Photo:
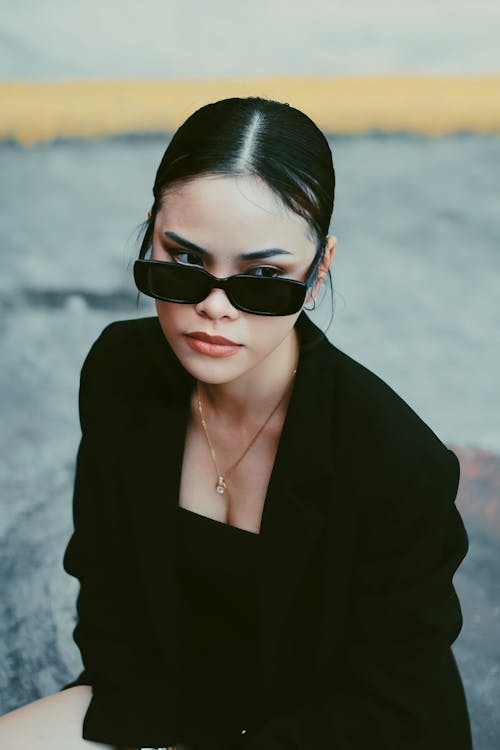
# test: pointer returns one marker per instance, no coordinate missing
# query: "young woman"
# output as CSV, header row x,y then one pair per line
x,y
265,532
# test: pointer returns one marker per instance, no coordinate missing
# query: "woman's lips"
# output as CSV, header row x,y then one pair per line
x,y
211,339
210,348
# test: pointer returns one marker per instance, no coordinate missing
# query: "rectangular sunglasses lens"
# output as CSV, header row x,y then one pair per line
x,y
268,296
176,283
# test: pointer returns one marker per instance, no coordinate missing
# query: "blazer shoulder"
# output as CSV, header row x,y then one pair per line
x,y
386,425
127,350
129,362
120,332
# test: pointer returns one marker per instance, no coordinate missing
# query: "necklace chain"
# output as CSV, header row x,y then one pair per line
x,y
221,477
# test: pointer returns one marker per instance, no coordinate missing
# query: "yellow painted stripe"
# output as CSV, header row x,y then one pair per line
x,y
432,105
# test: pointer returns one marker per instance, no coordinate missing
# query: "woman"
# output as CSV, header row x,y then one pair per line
x,y
265,533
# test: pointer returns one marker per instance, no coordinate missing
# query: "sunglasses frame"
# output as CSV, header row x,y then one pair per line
x,y
142,264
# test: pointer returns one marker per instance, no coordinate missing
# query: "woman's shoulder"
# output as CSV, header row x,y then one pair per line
x,y
379,421
132,349
128,362
124,335
365,408
390,458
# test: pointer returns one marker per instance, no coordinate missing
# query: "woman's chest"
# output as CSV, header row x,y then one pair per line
x,y
242,502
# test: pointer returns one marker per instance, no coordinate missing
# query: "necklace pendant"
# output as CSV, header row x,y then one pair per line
x,y
221,485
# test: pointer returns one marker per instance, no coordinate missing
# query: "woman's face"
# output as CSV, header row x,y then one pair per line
x,y
228,216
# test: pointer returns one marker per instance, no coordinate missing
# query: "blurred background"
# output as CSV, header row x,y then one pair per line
x,y
409,97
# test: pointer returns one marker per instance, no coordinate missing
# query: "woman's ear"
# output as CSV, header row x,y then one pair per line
x,y
331,244
149,214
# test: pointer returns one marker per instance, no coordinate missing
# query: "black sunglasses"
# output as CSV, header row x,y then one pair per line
x,y
173,282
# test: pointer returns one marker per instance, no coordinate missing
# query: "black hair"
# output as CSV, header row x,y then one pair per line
x,y
261,137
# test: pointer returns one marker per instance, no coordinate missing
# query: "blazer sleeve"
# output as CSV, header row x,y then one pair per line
x,y
401,689
131,699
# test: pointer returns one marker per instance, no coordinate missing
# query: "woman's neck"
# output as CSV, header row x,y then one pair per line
x,y
253,396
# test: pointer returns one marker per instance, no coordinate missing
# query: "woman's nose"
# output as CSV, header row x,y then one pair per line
x,y
217,305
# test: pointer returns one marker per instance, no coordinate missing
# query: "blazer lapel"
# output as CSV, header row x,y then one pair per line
x,y
294,512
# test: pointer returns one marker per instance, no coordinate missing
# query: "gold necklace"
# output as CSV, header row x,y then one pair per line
x,y
221,485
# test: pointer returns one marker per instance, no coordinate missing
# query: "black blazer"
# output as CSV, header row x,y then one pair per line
x,y
360,508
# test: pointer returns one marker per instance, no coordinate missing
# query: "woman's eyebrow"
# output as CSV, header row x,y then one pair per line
x,y
243,256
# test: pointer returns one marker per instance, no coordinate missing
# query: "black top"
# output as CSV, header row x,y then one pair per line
x,y
217,652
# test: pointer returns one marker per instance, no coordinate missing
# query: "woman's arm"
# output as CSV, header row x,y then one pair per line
x,y
401,689
131,693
